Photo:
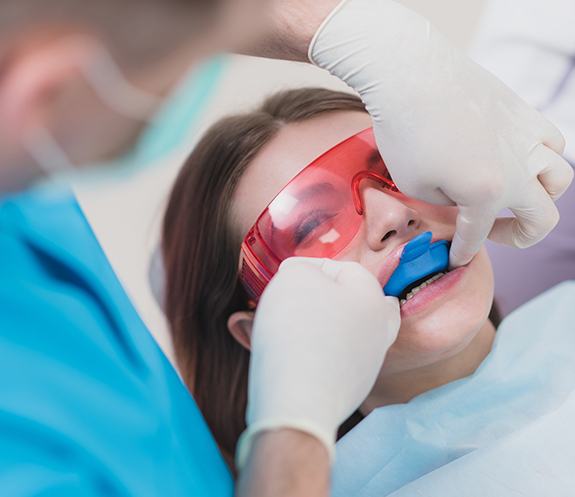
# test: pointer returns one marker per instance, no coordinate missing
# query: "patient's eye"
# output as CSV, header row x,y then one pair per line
x,y
312,223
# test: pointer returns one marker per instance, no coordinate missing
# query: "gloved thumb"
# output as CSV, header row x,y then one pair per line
x,y
472,227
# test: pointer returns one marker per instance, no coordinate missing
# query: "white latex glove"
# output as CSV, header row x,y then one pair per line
x,y
321,332
449,131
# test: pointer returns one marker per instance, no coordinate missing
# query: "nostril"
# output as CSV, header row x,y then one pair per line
x,y
411,222
388,234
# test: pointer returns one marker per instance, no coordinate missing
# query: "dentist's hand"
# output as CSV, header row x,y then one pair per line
x,y
449,131
321,332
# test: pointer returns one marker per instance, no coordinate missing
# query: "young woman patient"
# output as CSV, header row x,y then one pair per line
x,y
236,170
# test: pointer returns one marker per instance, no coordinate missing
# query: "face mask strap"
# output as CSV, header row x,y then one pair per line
x,y
47,152
106,79
114,89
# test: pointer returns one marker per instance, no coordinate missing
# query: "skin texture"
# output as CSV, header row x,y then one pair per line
x,y
445,340
287,29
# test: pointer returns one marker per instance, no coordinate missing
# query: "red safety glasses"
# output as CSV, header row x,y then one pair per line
x,y
317,214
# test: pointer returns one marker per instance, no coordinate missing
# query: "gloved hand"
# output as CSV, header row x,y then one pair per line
x,y
321,332
449,131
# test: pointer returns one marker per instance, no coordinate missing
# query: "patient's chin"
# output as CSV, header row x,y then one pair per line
x,y
425,347
446,330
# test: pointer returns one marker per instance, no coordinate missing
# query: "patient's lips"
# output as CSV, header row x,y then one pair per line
x,y
433,289
392,261
433,293
390,264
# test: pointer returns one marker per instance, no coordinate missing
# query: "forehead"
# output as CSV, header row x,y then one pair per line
x,y
294,147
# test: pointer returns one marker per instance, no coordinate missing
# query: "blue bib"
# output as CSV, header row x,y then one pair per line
x,y
528,377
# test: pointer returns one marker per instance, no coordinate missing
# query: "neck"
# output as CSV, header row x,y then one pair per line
x,y
401,387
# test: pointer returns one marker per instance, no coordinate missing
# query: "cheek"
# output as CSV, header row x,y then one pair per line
x,y
444,332
429,338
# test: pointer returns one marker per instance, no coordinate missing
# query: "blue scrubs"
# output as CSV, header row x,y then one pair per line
x,y
89,405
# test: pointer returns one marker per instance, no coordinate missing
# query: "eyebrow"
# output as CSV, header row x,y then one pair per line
x,y
314,189
373,159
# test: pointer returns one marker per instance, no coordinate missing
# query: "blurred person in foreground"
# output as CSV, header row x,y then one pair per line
x,y
90,406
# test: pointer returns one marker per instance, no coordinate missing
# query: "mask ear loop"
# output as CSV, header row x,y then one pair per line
x,y
47,152
114,89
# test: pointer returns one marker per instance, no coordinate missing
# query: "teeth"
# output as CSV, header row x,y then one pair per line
x,y
414,291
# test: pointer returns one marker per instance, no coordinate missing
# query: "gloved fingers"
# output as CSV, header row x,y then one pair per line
x,y
534,219
552,137
347,273
430,195
327,267
394,318
354,275
315,263
335,269
553,171
472,226
541,129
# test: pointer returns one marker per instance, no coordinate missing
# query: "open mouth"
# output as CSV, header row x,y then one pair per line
x,y
421,263
411,290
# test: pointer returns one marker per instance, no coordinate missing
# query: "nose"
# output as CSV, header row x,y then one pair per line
x,y
387,217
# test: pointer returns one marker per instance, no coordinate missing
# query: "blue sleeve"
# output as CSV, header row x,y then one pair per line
x,y
58,389
89,406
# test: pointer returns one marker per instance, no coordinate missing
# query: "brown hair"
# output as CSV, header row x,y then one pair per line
x,y
201,250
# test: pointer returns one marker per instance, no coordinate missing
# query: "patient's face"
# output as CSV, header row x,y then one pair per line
x,y
436,324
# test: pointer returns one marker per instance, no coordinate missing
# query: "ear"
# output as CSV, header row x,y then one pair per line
x,y
34,71
240,327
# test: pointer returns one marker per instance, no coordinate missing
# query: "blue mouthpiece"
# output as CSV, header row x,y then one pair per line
x,y
420,258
